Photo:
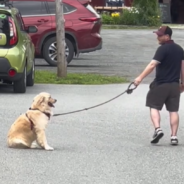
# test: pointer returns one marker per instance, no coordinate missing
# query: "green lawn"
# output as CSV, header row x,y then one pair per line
x,y
48,77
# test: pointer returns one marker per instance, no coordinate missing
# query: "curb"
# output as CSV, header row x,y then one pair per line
x,y
178,27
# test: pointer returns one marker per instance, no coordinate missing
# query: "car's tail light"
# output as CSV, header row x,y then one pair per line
x,y
89,19
11,72
13,32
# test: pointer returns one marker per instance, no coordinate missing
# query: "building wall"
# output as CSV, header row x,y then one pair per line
x,y
103,2
98,2
128,2
181,13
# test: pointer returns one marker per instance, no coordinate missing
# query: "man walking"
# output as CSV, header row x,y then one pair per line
x,y
168,83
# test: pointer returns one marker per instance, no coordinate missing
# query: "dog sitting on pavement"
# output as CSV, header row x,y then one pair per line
x,y
28,131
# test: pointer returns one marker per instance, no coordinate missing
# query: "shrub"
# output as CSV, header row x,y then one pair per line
x,y
108,19
149,12
142,12
129,17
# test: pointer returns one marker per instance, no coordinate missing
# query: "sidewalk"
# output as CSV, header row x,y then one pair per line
x,y
173,26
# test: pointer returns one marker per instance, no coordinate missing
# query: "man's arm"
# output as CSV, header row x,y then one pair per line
x,y
157,59
149,68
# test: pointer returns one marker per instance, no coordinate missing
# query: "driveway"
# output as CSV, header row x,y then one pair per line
x,y
125,53
106,145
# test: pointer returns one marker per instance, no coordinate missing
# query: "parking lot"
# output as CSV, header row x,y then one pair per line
x,y
106,145
124,53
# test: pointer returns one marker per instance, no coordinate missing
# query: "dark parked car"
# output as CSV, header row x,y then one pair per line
x,y
82,27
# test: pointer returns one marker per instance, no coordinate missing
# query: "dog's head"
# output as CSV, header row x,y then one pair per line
x,y
43,102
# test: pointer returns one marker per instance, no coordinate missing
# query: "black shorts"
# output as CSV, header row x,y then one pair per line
x,y
168,94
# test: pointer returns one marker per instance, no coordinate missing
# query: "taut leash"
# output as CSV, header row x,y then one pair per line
x,y
129,90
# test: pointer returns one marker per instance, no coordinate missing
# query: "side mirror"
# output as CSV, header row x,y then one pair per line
x,y
32,29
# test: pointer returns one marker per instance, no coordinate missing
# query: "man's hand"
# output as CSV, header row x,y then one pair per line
x,y
137,81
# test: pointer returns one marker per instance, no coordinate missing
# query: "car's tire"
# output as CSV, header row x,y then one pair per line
x,y
31,76
20,85
49,50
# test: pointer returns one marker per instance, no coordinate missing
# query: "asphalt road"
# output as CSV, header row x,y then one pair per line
x,y
106,145
125,53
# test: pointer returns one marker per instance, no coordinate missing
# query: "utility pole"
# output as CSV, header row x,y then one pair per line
x,y
60,40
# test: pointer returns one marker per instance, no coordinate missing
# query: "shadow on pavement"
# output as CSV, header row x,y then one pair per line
x,y
4,89
8,89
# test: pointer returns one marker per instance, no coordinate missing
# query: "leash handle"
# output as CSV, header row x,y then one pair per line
x,y
130,88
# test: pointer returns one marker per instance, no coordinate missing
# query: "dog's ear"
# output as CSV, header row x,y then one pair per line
x,y
40,100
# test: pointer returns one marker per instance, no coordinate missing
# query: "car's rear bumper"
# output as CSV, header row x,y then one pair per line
x,y
4,69
98,47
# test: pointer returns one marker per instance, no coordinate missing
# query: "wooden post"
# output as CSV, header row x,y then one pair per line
x,y
60,40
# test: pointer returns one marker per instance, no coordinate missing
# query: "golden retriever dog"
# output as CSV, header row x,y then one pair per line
x,y
28,131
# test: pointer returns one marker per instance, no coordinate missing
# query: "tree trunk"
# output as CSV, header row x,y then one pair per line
x,y
60,39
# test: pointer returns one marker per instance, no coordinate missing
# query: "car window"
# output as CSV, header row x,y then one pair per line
x,y
66,8
4,24
5,27
30,7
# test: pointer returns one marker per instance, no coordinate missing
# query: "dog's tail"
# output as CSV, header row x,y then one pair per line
x,y
16,143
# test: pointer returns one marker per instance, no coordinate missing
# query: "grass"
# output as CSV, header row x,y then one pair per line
x,y
48,77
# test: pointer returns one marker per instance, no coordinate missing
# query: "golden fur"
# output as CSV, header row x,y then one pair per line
x,y
29,131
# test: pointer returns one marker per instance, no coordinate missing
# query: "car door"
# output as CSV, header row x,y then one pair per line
x,y
34,13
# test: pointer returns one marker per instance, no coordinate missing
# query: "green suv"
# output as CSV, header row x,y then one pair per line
x,y
17,52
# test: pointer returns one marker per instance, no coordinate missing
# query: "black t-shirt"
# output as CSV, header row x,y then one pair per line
x,y
169,55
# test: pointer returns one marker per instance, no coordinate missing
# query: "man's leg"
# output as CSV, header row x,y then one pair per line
x,y
172,105
155,100
174,121
155,117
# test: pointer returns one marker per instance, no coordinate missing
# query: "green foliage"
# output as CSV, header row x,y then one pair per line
x,y
129,17
48,77
142,12
107,19
149,12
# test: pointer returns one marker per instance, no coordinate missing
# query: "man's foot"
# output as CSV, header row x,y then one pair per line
x,y
157,136
174,140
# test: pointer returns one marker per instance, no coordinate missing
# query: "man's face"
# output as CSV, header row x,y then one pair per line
x,y
162,39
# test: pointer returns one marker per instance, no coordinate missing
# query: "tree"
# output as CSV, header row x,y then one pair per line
x,y
60,40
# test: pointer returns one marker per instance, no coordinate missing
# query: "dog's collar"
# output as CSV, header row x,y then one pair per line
x,y
32,124
46,113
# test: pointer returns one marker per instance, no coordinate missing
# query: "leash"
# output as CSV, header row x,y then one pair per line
x,y
129,90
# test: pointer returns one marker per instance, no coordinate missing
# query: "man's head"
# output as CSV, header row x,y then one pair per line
x,y
164,34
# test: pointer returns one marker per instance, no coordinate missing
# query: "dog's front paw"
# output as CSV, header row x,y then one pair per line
x,y
48,148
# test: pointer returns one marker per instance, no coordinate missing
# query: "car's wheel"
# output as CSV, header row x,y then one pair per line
x,y
50,51
20,85
31,76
